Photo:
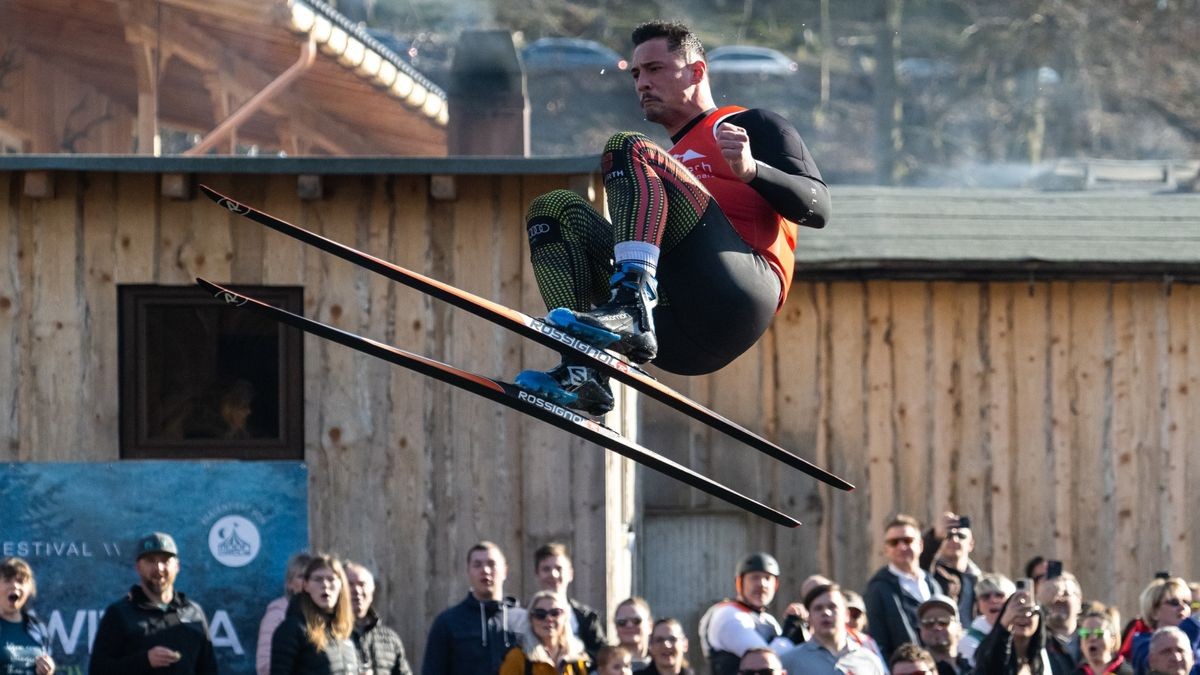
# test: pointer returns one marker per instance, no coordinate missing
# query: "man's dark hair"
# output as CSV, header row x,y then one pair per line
x,y
484,545
549,551
817,592
1032,565
679,37
912,654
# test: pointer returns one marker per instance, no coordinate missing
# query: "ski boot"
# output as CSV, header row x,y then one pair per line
x,y
625,323
570,385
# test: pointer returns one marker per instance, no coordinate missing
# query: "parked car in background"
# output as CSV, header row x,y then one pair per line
x,y
749,59
558,53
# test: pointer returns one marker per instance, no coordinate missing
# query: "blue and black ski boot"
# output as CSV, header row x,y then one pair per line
x,y
571,385
625,323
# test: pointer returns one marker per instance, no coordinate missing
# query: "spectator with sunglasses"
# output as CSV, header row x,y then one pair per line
x,y
831,649
1061,600
1099,637
947,549
555,573
548,647
940,634
760,661
1165,603
633,621
1017,643
898,588
992,591
668,650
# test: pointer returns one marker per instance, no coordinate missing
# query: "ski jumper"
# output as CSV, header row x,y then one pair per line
x,y
726,246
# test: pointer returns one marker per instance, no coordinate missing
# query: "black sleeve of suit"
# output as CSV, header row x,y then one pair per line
x,y
788,177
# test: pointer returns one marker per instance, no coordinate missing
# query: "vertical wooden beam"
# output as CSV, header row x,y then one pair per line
x,y
142,35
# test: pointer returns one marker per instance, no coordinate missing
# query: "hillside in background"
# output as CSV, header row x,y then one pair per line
x,y
886,91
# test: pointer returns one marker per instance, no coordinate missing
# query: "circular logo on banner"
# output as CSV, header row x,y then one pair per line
x,y
234,541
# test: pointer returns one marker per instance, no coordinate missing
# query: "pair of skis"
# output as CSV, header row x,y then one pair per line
x,y
509,394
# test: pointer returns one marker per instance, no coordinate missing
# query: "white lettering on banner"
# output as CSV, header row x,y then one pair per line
x,y
220,630
47,549
222,633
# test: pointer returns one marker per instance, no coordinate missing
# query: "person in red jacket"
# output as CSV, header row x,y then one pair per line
x,y
699,254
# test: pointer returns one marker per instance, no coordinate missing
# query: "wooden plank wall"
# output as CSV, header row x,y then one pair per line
x,y
405,473
1060,415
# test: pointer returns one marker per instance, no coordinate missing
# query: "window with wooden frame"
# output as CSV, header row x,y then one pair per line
x,y
203,380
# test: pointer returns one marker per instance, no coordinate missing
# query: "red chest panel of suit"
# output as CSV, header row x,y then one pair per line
x,y
755,221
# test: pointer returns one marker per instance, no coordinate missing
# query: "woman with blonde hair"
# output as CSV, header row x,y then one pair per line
x,y
293,583
1166,601
633,621
548,647
314,638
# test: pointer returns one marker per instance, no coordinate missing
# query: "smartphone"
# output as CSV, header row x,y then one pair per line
x,y
1053,569
1162,575
964,521
1025,584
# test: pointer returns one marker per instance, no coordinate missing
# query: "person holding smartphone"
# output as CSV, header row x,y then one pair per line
x,y
1017,643
1062,599
946,554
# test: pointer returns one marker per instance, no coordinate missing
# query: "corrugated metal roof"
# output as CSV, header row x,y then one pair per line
x,y
943,229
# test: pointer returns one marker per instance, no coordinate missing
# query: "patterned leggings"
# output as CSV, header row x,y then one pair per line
x,y
651,197
716,295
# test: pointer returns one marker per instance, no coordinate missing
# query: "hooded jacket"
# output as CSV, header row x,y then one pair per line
x,y
472,637
891,612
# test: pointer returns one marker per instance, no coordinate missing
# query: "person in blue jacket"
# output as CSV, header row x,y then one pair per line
x,y
472,637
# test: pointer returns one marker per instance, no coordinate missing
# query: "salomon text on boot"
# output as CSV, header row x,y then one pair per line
x,y
625,323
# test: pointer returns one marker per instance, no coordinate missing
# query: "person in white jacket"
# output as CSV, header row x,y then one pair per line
x,y
991,592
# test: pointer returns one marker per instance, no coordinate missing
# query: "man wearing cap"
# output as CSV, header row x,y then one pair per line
x,y
898,588
946,554
731,627
154,628
831,650
940,632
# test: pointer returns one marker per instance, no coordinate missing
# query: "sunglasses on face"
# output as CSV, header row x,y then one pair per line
x,y
942,621
543,614
632,621
1174,602
957,535
896,541
1085,633
664,640
991,594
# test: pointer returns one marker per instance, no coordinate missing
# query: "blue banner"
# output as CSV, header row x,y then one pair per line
x,y
235,523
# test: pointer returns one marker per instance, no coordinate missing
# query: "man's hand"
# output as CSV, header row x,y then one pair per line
x,y
942,527
44,665
161,657
735,148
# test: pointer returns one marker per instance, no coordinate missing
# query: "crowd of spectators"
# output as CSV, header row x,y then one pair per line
x,y
930,609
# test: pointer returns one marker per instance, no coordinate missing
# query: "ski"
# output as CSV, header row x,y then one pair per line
x,y
538,331
507,394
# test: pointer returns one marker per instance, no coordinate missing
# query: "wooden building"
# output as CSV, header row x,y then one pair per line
x,y
234,76
1020,356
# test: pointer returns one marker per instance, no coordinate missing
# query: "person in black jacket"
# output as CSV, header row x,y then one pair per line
x,y
472,637
314,638
380,650
555,573
897,589
154,628
1017,643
